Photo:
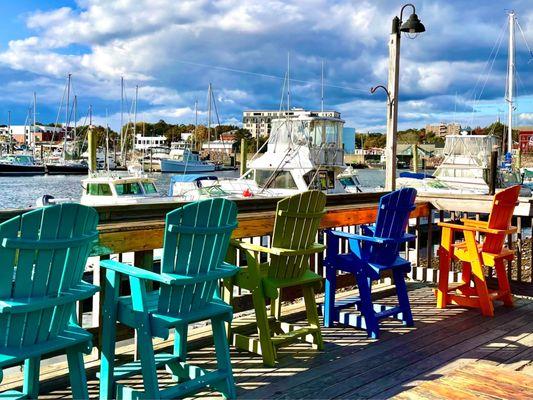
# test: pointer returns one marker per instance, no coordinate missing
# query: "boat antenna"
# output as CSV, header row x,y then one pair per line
x,y
322,89
288,82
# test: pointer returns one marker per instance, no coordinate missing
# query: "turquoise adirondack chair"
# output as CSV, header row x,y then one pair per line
x,y
195,244
43,255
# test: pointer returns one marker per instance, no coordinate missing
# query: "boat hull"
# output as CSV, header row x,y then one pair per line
x,y
58,169
21,170
183,167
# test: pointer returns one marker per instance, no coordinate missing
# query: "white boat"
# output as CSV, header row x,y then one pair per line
x,y
110,189
192,187
465,168
303,153
188,162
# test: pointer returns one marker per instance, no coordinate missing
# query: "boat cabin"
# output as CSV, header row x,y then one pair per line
x,y
192,187
108,190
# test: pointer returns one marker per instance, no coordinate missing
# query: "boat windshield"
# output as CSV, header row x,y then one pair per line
x,y
99,189
128,189
274,179
149,188
322,180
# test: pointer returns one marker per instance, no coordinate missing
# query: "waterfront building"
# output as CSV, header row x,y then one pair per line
x,y
258,122
147,142
442,129
26,134
525,136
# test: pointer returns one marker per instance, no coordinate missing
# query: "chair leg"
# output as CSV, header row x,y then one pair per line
x,y
107,341
367,308
485,302
31,377
403,297
144,340
329,300
503,283
76,370
180,350
227,297
312,316
267,347
444,271
223,358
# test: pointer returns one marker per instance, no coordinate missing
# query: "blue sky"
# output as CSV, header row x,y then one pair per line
x,y
173,49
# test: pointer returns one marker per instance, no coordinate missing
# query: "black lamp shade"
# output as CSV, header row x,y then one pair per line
x,y
413,25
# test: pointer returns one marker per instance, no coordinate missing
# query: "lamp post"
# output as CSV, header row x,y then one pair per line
x,y
411,26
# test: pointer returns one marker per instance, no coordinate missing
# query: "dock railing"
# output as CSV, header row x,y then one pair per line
x,y
134,233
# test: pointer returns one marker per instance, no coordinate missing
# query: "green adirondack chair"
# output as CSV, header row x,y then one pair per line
x,y
43,255
295,229
196,241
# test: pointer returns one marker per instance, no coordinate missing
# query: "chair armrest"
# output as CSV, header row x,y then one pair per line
x,y
471,228
354,236
134,271
225,270
278,251
472,222
79,292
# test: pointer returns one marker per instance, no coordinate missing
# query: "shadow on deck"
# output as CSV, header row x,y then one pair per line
x,y
353,366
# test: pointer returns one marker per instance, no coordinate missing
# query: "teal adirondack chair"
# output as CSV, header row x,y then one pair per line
x,y
196,241
42,258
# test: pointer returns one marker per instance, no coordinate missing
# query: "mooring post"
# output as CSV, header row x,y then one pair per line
x,y
92,149
244,151
493,172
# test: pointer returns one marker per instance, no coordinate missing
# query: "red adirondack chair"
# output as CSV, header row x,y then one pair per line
x,y
474,255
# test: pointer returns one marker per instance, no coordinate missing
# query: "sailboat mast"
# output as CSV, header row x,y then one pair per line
x,y
32,138
209,94
510,82
135,119
67,109
10,133
106,159
122,121
195,124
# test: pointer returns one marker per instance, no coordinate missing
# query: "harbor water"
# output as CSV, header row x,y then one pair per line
x,y
22,192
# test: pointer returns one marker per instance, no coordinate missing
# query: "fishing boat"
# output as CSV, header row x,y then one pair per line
x,y
113,189
187,162
304,152
20,165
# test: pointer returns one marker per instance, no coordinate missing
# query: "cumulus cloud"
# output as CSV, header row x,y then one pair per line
x,y
174,49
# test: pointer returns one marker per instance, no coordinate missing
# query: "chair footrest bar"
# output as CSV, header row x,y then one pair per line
x,y
293,335
13,395
133,368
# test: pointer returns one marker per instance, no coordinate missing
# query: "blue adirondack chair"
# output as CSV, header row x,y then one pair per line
x,y
372,253
42,258
195,244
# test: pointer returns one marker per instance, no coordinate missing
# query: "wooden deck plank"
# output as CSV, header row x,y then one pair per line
x,y
438,353
441,341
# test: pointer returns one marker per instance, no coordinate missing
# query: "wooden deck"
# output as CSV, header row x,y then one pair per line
x,y
353,366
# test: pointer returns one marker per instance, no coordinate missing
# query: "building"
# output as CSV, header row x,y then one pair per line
x,y
147,142
526,141
443,129
24,134
258,122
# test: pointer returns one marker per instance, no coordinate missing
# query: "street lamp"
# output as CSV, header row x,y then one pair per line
x,y
412,27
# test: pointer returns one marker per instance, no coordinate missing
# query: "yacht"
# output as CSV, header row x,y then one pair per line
x,y
304,152
187,162
20,165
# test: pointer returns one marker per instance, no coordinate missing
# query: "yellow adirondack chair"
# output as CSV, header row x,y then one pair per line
x,y
295,229
473,254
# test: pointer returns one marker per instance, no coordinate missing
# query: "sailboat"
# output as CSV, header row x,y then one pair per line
x,y
63,166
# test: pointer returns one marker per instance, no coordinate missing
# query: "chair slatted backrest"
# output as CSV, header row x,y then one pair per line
x,y
391,222
500,217
295,228
43,254
196,241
